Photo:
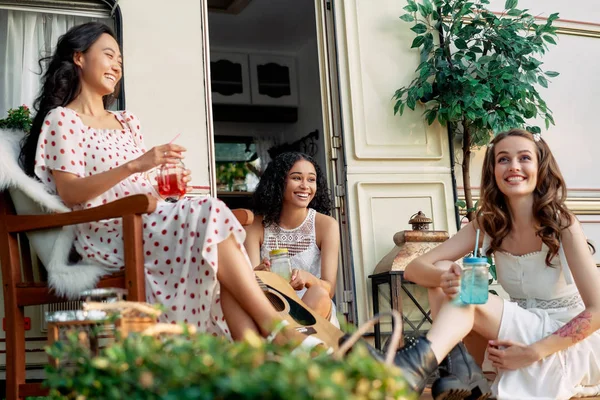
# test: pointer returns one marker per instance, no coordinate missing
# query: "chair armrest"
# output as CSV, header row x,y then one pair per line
x,y
244,216
136,204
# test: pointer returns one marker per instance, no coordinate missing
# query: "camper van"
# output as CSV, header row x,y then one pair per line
x,y
238,78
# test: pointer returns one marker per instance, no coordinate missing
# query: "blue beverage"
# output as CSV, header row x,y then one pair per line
x,y
474,281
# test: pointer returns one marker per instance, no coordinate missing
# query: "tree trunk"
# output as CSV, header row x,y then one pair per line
x,y
466,169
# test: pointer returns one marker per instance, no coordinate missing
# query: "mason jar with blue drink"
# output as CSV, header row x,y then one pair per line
x,y
474,280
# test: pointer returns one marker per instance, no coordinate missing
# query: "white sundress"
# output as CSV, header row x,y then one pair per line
x,y
543,299
179,239
301,243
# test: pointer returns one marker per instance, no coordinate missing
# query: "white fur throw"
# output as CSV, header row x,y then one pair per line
x,y
52,246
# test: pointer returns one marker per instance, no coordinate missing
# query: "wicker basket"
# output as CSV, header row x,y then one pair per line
x,y
100,324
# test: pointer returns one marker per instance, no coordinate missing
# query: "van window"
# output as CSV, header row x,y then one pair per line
x,y
30,31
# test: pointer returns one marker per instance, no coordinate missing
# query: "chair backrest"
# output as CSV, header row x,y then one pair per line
x,y
42,242
244,216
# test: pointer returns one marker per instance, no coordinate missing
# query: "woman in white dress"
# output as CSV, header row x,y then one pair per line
x,y
544,341
292,205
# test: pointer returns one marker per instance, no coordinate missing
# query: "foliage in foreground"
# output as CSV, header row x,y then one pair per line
x,y
207,367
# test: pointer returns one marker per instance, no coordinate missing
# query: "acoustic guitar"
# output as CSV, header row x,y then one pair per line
x,y
291,308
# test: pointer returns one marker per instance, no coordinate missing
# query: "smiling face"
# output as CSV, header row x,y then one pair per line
x,y
300,184
101,65
516,166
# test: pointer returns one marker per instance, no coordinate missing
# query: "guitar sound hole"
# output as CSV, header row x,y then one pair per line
x,y
276,301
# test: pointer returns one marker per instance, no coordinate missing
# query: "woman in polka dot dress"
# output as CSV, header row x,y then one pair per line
x,y
194,259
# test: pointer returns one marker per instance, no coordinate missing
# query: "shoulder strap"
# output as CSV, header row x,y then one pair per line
x,y
565,266
487,241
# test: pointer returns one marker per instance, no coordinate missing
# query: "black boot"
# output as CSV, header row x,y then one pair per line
x,y
373,352
460,378
417,362
415,359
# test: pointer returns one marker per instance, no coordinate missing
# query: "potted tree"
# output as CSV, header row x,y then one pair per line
x,y
479,72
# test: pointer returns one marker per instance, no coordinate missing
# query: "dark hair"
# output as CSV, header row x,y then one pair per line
x,y
61,82
549,210
268,197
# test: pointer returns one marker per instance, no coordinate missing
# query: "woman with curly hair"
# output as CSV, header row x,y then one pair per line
x,y
194,261
292,204
544,341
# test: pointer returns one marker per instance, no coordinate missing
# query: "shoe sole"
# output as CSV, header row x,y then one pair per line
x,y
477,393
453,394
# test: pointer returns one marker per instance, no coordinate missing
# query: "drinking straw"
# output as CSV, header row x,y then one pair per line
x,y
175,138
472,269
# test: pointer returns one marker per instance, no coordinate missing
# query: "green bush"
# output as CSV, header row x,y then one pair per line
x,y
207,367
18,118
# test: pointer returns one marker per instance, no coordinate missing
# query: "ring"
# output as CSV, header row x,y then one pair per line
x,y
164,153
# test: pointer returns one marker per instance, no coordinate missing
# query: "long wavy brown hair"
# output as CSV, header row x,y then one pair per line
x,y
551,214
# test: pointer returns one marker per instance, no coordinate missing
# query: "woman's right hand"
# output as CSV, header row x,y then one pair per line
x,y
158,155
265,265
450,280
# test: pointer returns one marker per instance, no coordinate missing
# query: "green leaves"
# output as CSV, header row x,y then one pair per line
x,y
419,28
206,367
407,17
417,42
486,71
18,118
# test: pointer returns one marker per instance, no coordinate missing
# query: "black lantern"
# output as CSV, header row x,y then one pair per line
x,y
389,285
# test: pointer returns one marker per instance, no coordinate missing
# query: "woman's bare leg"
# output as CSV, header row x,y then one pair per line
x,y
454,322
244,299
317,298
237,318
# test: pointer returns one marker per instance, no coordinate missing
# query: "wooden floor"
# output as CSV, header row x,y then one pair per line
x,y
427,396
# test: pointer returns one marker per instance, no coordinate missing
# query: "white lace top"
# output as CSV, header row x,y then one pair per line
x,y
532,284
301,243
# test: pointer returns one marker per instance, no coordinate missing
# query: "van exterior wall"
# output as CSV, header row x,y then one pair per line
x,y
396,166
164,74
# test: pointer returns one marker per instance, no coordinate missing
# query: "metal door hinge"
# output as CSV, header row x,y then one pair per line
x,y
340,190
348,296
336,142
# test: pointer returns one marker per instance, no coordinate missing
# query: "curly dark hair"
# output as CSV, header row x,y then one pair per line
x,y
268,197
551,214
60,82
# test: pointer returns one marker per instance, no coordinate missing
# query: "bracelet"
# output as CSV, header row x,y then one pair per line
x,y
278,328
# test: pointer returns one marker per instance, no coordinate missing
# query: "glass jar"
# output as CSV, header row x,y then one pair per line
x,y
474,282
281,263
170,181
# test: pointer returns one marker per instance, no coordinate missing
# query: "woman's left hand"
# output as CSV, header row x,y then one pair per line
x,y
508,355
299,279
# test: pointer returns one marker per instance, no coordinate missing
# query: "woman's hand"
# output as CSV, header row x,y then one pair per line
x,y
450,280
158,155
508,355
187,177
300,279
265,265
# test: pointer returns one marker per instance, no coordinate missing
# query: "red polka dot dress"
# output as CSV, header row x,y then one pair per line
x,y
180,252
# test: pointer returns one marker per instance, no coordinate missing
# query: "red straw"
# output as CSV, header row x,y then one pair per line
x,y
176,136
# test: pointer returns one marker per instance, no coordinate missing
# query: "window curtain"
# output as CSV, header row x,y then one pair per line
x,y
25,37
